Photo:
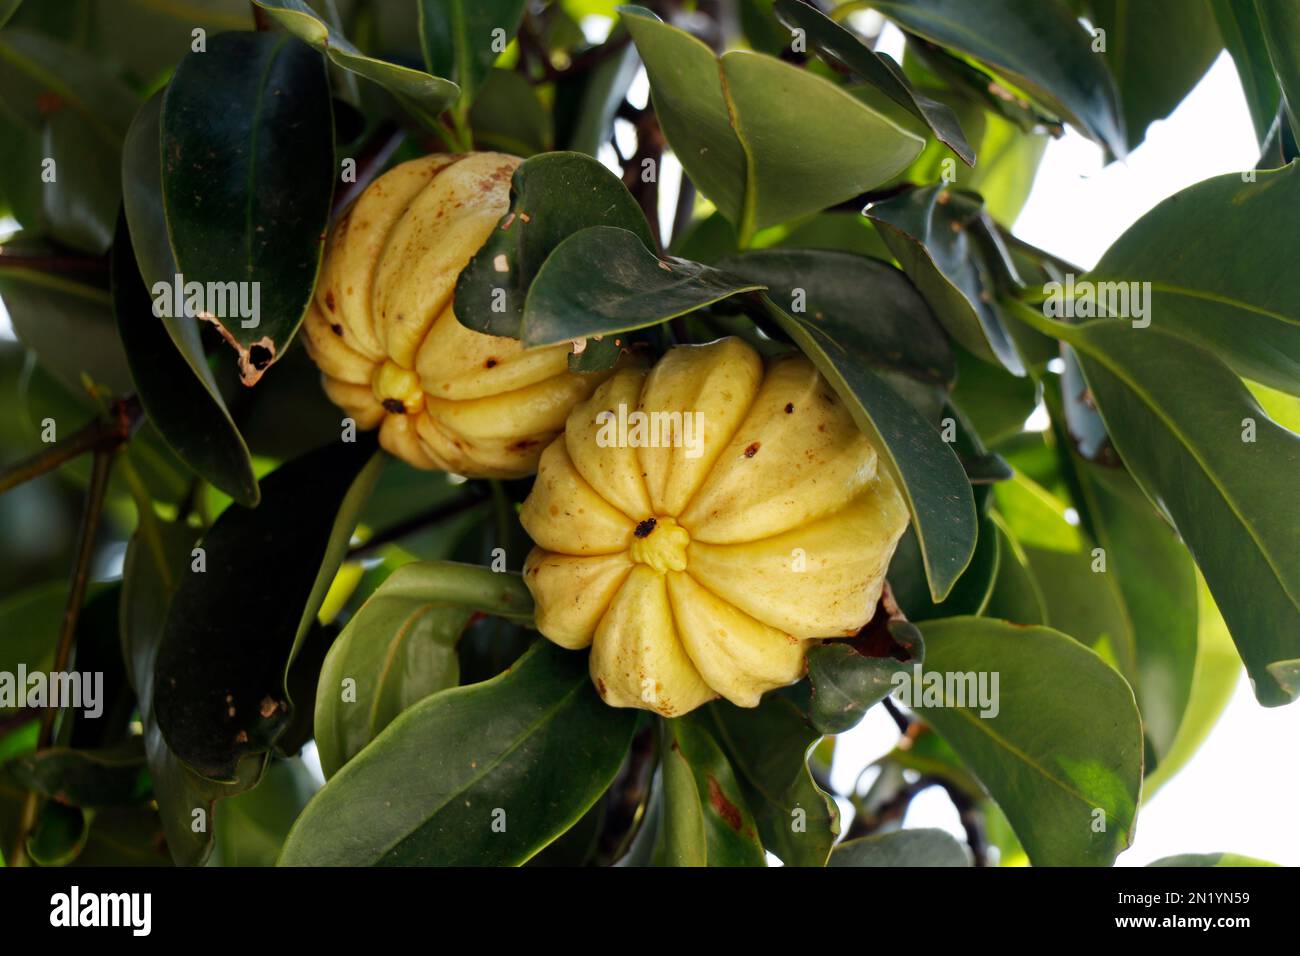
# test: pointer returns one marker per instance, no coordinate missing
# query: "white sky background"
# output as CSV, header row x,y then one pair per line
x,y
1241,791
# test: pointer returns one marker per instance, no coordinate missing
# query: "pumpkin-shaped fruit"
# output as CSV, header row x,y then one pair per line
x,y
382,329
699,523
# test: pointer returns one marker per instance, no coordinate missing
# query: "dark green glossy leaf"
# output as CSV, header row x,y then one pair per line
x,y
156,559
706,821
572,297
847,677
769,747
461,39
62,105
248,177
221,669
106,777
1016,596
1243,35
971,593
765,140
430,94
928,231
187,410
995,401
1234,290
841,46
1037,44
929,475
400,647
480,775
605,87
1156,51
901,848
1179,419
1063,754
1280,24
552,196
833,289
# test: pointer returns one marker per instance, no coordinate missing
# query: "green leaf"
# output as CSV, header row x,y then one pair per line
x,y
103,777
460,38
1234,290
59,836
848,677
249,830
765,140
156,559
840,46
1016,596
1037,44
1243,35
1063,755
769,747
631,289
221,669
29,619
921,847
1280,24
970,594
429,94
68,321
1156,51
929,475
552,196
509,116
62,105
1210,859
898,332
534,743
1078,599
1177,417
400,647
928,231
187,410
1157,581
706,821
1214,679
605,87
248,177
995,401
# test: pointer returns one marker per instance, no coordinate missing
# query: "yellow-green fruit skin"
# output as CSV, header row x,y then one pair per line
x,y
382,329
774,529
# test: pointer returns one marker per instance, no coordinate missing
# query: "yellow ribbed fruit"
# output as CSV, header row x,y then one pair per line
x,y
381,326
704,570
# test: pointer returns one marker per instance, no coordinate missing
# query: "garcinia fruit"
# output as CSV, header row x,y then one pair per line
x,y
698,524
382,329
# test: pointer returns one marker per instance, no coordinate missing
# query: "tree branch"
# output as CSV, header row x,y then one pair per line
x,y
100,434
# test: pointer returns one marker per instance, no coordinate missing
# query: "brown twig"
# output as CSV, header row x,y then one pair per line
x,y
77,583
102,433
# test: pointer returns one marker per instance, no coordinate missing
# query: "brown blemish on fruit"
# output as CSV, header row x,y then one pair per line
x,y
644,528
789,408
752,450
336,329
329,300
395,405
524,444
729,812
490,363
